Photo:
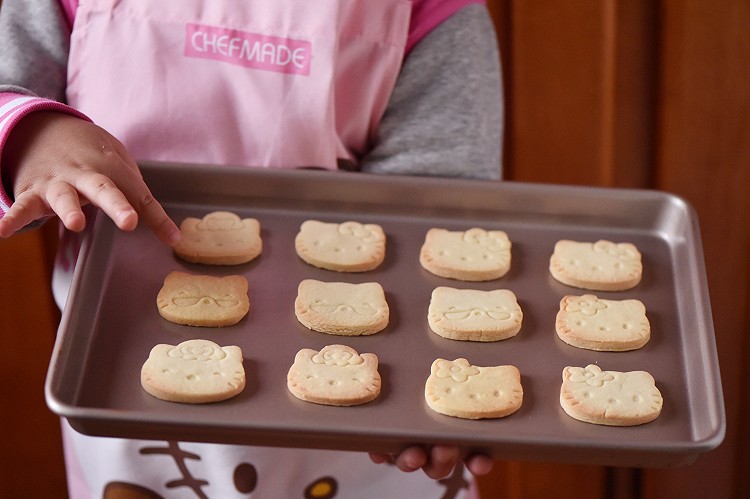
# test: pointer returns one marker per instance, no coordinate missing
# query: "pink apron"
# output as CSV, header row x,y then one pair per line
x,y
262,83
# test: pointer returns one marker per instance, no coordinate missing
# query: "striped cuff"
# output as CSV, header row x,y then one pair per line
x,y
13,107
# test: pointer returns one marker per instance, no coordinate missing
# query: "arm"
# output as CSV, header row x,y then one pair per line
x,y
29,31
445,117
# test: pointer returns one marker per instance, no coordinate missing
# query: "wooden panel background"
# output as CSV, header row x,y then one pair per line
x,y
635,93
31,462
631,93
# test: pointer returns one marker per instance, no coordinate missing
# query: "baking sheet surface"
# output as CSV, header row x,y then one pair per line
x,y
112,321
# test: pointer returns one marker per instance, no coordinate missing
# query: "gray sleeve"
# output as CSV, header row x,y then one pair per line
x,y
36,31
445,117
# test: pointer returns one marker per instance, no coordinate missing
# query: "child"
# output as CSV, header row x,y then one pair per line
x,y
383,86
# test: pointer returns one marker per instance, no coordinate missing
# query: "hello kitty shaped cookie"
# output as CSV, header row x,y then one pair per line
x,y
341,308
474,315
599,266
457,388
336,375
341,247
193,372
604,325
203,300
610,398
219,238
472,255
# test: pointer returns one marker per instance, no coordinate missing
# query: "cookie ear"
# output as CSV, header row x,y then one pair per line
x,y
234,353
436,365
371,361
304,355
236,281
172,278
160,351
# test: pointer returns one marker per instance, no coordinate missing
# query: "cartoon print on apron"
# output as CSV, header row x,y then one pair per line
x,y
289,83
245,479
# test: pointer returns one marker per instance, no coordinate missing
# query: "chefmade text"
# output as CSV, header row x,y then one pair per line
x,y
252,50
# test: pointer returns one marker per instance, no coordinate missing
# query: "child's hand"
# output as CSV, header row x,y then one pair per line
x,y
437,464
54,163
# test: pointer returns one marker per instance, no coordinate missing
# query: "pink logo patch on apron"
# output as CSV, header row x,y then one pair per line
x,y
252,50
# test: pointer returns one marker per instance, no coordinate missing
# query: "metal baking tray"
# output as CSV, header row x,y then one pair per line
x,y
111,321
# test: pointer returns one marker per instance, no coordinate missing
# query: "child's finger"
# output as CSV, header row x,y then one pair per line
x,y
63,200
442,460
149,210
26,209
411,459
380,458
101,191
153,215
479,464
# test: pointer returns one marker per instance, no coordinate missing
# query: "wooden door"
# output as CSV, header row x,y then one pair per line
x,y
636,93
